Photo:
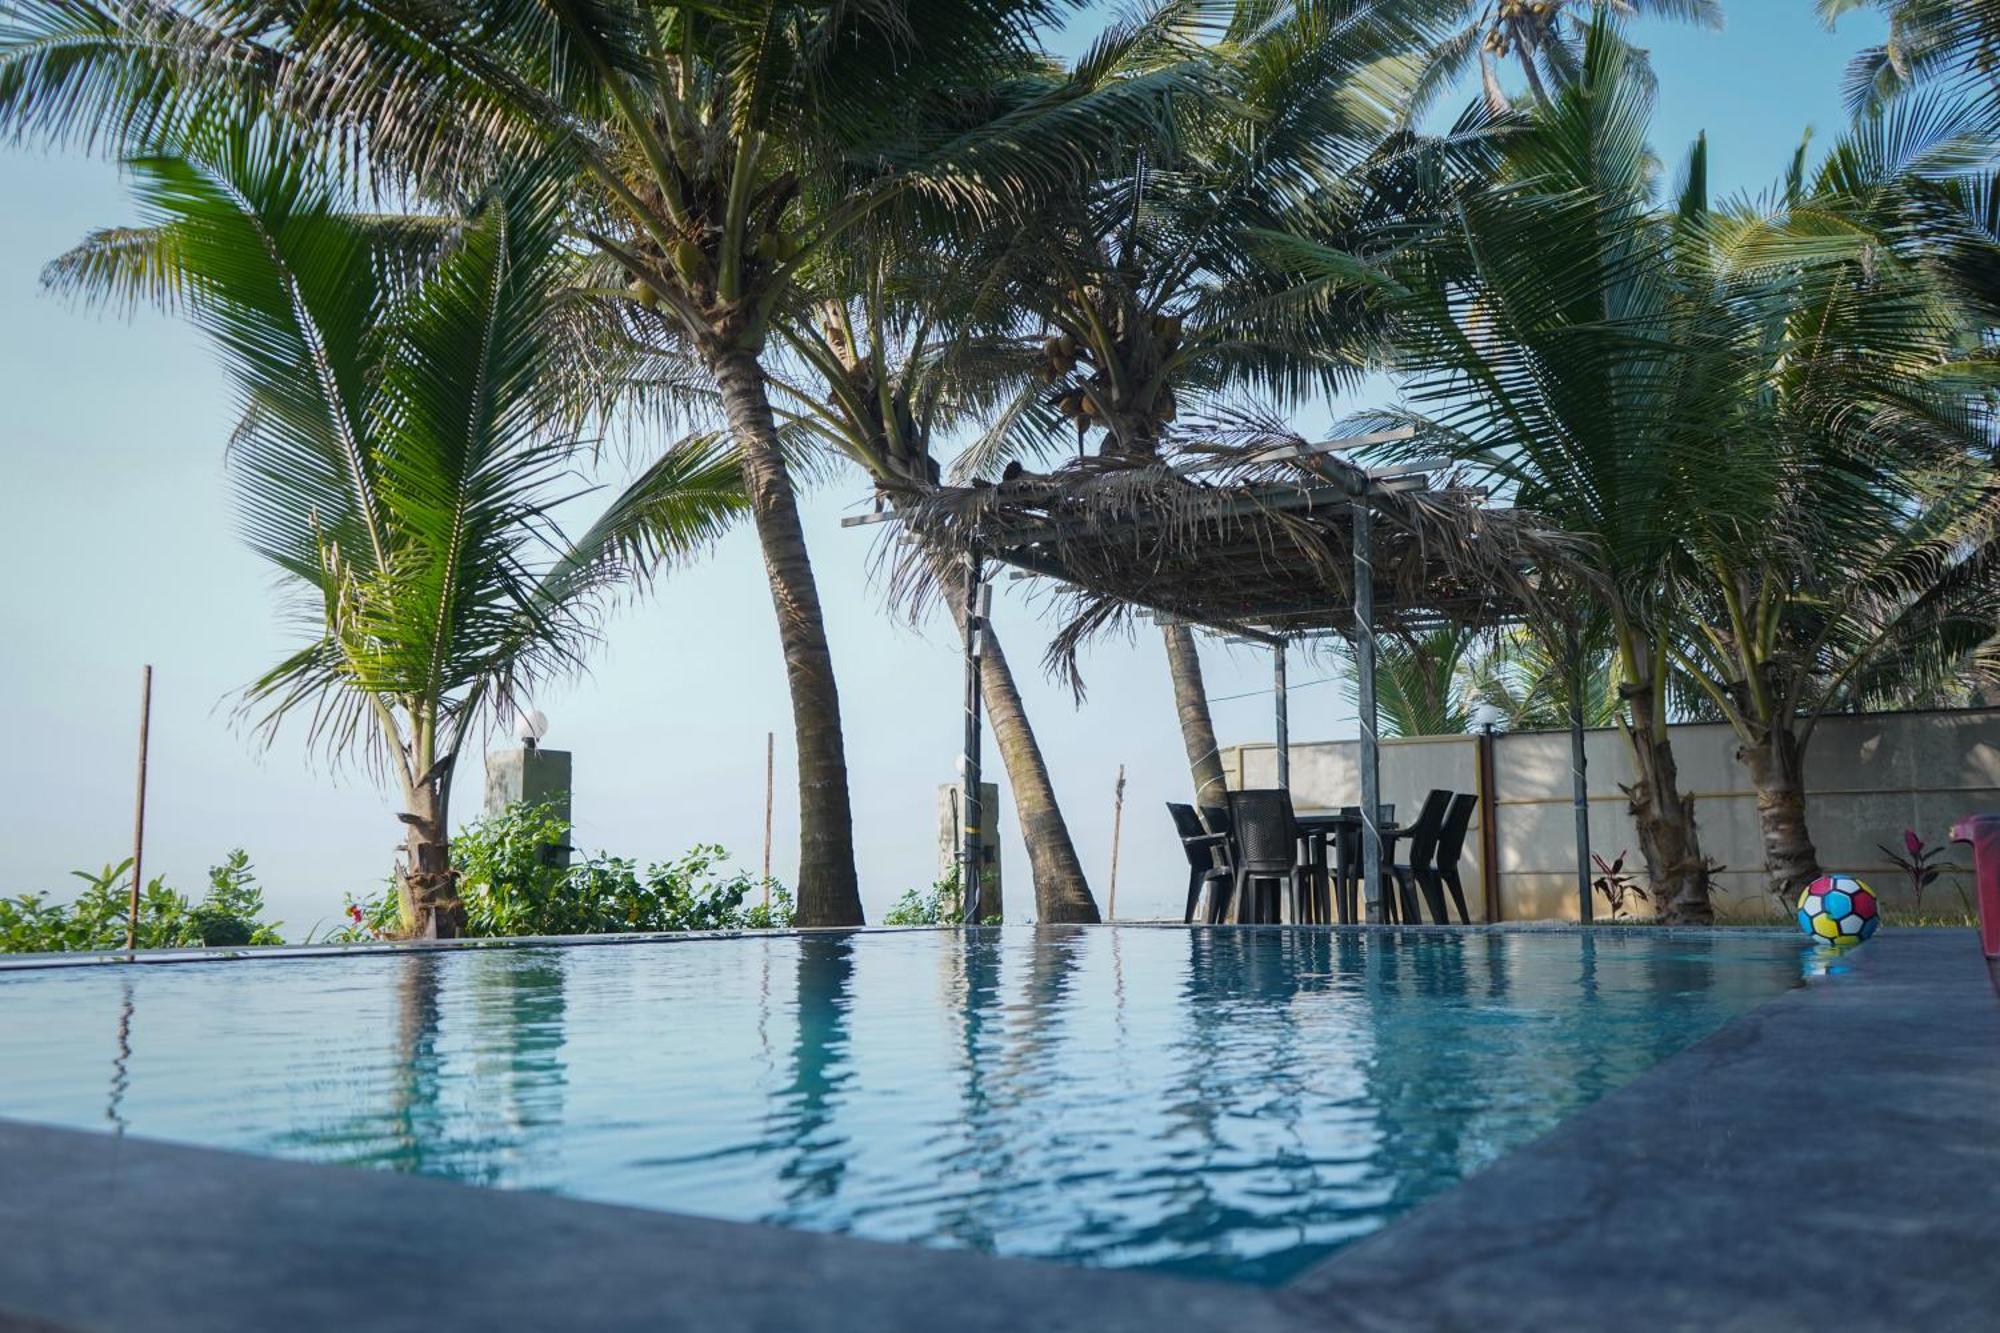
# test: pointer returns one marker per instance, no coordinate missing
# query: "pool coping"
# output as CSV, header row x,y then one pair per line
x,y
1689,1198
33,962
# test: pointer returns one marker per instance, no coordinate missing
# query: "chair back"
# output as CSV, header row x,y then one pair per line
x,y
1266,834
1185,822
1217,819
1423,834
1451,842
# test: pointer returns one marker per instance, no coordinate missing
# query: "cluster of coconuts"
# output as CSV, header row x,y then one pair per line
x,y
776,246
1061,354
1538,12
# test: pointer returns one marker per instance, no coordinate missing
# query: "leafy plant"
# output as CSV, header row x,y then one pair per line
x,y
935,906
1617,888
1922,865
512,882
96,920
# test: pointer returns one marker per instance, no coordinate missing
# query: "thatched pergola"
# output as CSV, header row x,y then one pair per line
x,y
1265,544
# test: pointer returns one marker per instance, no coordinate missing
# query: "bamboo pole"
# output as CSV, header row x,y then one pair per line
x,y
770,768
1117,824
139,810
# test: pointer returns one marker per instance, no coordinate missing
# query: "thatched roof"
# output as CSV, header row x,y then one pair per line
x,y
1257,543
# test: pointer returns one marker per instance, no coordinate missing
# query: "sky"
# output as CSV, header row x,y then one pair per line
x,y
119,541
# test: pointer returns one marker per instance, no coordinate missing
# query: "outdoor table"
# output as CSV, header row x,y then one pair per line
x,y
1319,830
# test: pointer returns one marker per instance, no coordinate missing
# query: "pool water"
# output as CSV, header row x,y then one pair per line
x,y
1221,1103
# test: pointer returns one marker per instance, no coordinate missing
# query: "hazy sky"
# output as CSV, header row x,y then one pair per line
x,y
119,542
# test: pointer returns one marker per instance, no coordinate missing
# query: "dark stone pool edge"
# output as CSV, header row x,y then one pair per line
x,y
1714,1192
1830,1159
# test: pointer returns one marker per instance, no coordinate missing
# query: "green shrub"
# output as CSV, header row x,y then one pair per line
x,y
229,916
935,906
512,882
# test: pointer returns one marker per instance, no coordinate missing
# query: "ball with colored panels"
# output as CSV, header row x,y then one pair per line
x,y
1838,909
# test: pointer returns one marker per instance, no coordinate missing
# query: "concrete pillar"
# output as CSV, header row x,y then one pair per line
x,y
950,826
531,775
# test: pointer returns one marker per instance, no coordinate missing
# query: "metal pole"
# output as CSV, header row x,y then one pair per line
x,y
1364,665
1579,782
1284,722
770,769
1117,825
139,811
975,632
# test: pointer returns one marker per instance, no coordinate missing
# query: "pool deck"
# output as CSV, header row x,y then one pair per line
x,y
1830,1159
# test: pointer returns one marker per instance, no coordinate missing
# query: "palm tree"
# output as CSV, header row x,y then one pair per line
x,y
1956,41
912,349
1546,37
1528,680
717,150
1151,286
1543,344
399,450
1872,570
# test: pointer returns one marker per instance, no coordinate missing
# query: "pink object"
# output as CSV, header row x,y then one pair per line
x,y
1983,832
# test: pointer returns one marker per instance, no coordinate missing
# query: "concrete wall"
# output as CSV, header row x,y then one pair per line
x,y
1869,777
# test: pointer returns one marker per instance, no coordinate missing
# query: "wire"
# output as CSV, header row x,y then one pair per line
x,y
1251,694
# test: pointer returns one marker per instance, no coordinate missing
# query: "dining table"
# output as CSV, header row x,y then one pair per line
x,y
1320,830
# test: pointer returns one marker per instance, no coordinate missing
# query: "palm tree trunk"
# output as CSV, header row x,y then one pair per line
x,y
1777,772
1061,891
427,887
1668,837
1197,728
829,893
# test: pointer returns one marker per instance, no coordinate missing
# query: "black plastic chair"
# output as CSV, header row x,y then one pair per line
x,y
1267,847
1208,860
1451,846
1348,891
1420,871
1216,817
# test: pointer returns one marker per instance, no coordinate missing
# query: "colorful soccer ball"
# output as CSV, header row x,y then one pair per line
x,y
1838,909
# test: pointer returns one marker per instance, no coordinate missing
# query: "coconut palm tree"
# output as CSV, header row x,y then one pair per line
x,y
1871,571
1545,37
1956,42
399,452
1542,343
717,147
1150,287
911,350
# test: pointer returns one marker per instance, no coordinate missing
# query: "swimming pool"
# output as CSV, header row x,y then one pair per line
x,y
1231,1103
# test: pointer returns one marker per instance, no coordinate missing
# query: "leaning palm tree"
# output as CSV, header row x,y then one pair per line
x,y
716,150
909,347
1149,287
399,452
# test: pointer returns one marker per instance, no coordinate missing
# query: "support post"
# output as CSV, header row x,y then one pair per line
x,y
1364,670
972,850
139,810
1579,783
1284,721
770,772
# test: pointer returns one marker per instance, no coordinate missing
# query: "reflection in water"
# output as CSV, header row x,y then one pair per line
x,y
121,1063
814,1160
1228,1102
